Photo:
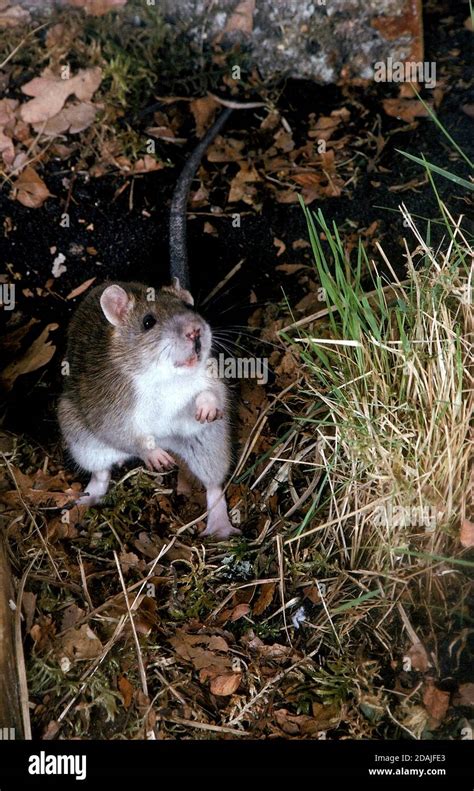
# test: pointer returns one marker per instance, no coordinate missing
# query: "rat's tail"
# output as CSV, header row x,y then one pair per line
x,y
177,227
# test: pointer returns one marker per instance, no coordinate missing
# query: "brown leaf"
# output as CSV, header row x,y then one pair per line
x,y
418,657
290,269
325,127
280,245
405,109
466,536
128,560
147,164
239,612
38,355
304,725
436,703
51,730
126,690
12,341
203,110
240,186
225,684
50,93
8,122
28,603
225,149
42,488
30,190
201,650
465,695
80,643
74,118
71,615
267,591
76,292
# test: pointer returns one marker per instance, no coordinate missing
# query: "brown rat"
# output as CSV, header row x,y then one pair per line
x,y
139,385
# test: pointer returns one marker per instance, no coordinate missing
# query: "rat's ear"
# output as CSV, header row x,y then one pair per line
x,y
182,293
115,302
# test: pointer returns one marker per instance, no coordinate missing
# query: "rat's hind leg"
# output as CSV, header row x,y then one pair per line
x,y
207,455
89,453
95,489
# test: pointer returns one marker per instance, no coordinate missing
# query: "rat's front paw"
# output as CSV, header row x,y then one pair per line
x,y
207,408
158,459
220,528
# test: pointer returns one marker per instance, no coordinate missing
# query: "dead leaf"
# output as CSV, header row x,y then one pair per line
x,y
80,643
97,7
126,690
242,18
146,165
466,535
300,244
203,110
267,592
30,190
128,560
8,122
465,695
74,118
71,615
210,228
51,730
76,292
241,188
405,109
39,354
284,141
280,245
28,602
436,703
418,657
225,149
304,725
225,684
209,655
51,92
12,341
290,269
239,612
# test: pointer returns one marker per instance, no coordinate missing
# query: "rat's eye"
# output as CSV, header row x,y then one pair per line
x,y
149,321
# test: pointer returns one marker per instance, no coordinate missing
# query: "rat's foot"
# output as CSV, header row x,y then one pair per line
x,y
220,529
219,525
95,489
207,408
158,459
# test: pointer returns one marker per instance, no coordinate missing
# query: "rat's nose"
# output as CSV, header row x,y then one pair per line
x,y
192,333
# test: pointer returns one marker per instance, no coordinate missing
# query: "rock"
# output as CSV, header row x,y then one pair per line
x,y
324,41
321,40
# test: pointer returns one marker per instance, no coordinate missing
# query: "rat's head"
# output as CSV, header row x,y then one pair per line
x,y
158,329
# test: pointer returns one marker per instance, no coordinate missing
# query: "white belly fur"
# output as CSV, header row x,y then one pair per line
x,y
167,408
